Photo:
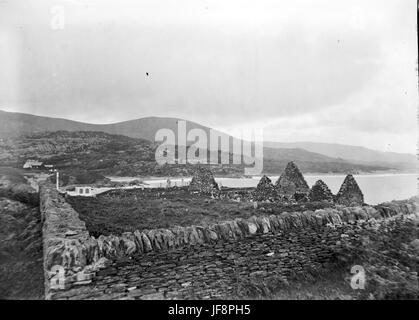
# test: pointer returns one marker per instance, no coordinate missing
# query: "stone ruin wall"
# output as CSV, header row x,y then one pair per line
x,y
203,262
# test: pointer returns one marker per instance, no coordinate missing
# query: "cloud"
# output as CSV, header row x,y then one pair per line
x,y
193,70
337,68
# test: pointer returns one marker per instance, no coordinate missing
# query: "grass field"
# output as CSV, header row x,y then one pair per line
x,y
129,210
117,212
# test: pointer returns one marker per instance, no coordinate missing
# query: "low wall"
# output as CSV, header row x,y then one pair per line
x,y
70,255
258,246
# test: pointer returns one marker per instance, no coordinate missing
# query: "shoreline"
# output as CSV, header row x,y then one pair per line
x,y
309,174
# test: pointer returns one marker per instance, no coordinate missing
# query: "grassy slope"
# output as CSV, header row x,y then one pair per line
x,y
108,154
21,271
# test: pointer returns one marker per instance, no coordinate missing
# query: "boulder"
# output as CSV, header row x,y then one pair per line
x,y
177,238
128,242
100,264
264,224
92,250
295,220
415,246
237,233
273,221
194,235
224,230
153,236
244,227
146,243
77,252
106,247
210,234
138,241
251,227
168,238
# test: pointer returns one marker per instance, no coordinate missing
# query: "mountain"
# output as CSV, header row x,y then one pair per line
x,y
16,124
93,152
13,124
106,154
351,153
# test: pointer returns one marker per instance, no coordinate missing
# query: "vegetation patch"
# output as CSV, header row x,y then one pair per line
x,y
389,253
120,211
21,262
13,185
110,154
387,250
313,285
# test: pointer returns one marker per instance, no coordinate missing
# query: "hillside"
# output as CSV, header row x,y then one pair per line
x,y
15,124
351,153
92,151
116,156
109,154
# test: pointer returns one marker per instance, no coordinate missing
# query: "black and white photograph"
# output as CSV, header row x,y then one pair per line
x,y
217,151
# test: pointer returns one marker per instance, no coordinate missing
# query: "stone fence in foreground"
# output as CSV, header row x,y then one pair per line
x,y
72,257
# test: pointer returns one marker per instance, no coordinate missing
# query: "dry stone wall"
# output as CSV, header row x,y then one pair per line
x,y
70,253
210,271
349,193
183,262
320,192
203,181
291,182
265,190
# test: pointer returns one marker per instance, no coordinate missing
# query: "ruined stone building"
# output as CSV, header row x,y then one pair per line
x,y
203,181
349,193
265,190
291,184
320,192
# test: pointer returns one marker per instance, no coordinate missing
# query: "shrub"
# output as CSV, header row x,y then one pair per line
x,y
385,250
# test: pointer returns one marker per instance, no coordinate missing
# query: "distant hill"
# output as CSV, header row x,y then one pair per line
x,y
120,155
13,124
16,124
352,153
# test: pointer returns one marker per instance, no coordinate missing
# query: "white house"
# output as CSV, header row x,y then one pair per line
x,y
87,191
32,164
82,191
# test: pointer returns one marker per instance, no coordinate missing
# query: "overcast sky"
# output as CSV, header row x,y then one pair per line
x,y
304,70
